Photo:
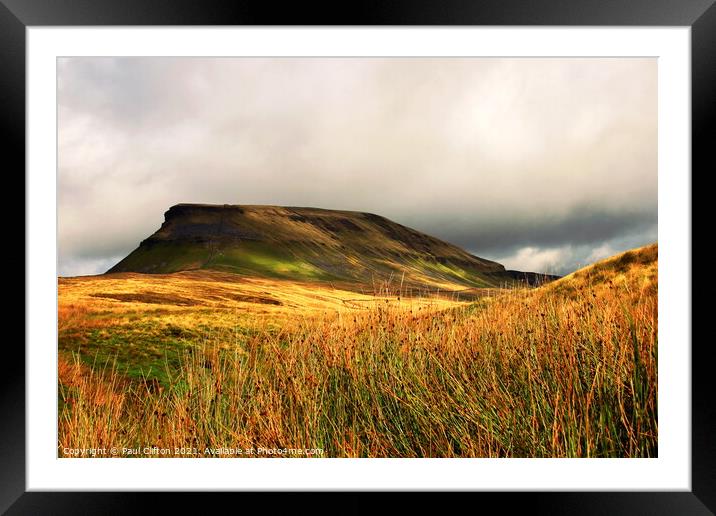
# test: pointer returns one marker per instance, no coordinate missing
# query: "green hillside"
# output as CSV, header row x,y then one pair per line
x,y
309,244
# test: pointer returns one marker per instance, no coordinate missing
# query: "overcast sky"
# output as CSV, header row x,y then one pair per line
x,y
541,164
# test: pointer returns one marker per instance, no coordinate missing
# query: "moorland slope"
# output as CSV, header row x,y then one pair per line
x,y
311,244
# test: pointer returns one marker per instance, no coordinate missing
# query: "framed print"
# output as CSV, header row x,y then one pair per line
x,y
415,250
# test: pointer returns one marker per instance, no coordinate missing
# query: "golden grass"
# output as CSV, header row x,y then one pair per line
x,y
211,297
568,370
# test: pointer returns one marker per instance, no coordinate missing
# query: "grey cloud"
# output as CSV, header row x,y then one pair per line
x,y
577,226
565,258
496,155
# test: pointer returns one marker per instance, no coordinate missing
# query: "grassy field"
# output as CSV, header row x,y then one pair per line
x,y
209,363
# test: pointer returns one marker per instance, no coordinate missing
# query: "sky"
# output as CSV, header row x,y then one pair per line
x,y
541,164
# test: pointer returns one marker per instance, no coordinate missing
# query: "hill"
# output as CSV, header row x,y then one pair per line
x,y
311,244
636,268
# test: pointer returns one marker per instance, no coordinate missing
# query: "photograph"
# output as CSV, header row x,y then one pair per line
x,y
357,257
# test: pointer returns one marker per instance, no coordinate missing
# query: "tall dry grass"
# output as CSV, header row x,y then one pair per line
x,y
524,374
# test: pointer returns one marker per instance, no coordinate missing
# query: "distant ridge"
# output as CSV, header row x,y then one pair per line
x,y
311,244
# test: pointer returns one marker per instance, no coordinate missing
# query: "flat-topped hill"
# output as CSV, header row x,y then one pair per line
x,y
310,244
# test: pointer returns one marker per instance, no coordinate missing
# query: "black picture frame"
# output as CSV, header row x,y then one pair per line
x,y
17,15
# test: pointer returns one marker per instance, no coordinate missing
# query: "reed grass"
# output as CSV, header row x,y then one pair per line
x,y
526,373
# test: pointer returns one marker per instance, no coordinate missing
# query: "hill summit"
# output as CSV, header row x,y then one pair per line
x,y
310,244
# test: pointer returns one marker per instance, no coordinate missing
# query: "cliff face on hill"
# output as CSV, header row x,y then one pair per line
x,y
309,244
